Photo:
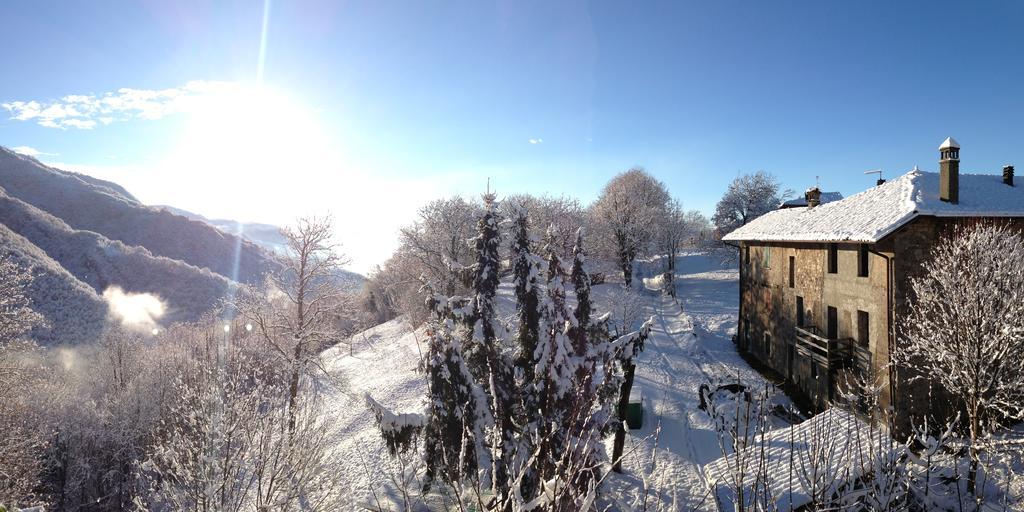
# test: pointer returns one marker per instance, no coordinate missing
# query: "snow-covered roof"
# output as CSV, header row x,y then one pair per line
x,y
804,461
871,215
826,197
949,143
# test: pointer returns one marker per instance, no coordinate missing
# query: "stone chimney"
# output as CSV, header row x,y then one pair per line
x,y
813,197
949,171
1008,175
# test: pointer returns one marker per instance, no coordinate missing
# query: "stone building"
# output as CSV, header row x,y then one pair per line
x,y
823,287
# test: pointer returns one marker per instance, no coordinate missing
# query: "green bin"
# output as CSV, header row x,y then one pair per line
x,y
635,409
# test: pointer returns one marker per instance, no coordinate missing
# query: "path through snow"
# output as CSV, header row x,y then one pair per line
x,y
690,344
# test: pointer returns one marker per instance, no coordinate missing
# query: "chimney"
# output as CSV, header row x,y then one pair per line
x,y
1008,175
949,171
813,197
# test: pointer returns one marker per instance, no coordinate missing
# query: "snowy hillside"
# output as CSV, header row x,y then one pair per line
x,y
100,263
94,205
74,312
688,347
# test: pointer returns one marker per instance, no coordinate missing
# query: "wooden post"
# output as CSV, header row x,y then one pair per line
x,y
620,429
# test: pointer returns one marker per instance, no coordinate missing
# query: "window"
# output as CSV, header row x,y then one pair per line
x,y
833,323
767,344
767,256
792,271
862,261
833,258
863,329
799,311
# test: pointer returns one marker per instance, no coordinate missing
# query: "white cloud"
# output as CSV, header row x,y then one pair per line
x,y
135,310
30,151
85,111
537,141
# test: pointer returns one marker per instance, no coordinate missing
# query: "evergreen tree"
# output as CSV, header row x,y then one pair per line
x,y
581,284
457,412
559,381
487,362
555,370
526,270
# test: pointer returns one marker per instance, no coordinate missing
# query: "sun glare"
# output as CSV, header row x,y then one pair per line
x,y
239,139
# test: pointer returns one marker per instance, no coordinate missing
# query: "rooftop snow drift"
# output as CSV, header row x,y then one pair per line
x,y
869,216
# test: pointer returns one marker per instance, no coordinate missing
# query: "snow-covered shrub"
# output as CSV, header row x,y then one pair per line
x,y
233,440
399,430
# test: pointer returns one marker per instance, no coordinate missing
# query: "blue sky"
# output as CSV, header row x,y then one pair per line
x,y
386,104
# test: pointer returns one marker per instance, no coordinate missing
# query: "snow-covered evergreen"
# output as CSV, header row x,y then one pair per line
x,y
517,412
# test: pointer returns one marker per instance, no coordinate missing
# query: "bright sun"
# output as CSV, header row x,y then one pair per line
x,y
242,138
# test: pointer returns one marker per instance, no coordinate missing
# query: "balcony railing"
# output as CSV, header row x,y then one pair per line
x,y
833,353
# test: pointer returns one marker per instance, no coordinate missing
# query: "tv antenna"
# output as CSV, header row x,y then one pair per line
x,y
879,173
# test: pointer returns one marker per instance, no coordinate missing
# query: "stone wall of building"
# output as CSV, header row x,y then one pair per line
x,y
770,305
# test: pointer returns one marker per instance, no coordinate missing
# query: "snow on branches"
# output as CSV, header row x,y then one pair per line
x,y
965,327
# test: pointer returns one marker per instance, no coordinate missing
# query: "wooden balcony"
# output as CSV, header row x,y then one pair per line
x,y
832,353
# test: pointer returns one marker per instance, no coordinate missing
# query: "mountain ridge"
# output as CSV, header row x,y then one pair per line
x,y
89,204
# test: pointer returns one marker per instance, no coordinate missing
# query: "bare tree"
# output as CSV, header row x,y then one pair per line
x,y
625,215
297,315
563,214
965,328
229,441
439,236
436,238
675,229
747,198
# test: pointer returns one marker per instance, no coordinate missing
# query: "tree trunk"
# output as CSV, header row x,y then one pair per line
x,y
620,429
293,393
627,272
972,472
626,256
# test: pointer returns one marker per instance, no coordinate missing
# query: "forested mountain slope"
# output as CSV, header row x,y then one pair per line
x,y
86,203
99,262
74,312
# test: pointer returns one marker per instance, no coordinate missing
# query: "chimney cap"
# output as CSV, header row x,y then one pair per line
x,y
949,143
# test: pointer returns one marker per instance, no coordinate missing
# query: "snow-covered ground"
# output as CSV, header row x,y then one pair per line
x,y
384,363
690,344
